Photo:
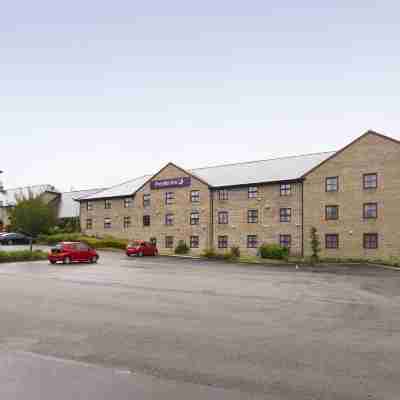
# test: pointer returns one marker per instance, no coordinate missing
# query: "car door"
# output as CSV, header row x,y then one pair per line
x,y
83,252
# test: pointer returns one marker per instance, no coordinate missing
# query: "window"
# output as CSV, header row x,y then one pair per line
x,y
107,204
107,223
223,242
370,181
331,212
169,219
285,214
194,242
370,211
146,220
332,241
89,206
223,194
223,217
285,240
286,189
128,202
252,192
127,222
146,200
194,218
252,216
332,184
370,240
252,241
169,242
89,223
169,198
195,196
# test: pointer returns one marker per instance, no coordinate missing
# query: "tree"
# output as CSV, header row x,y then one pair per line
x,y
32,216
315,244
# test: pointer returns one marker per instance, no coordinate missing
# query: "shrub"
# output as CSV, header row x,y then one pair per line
x,y
315,244
182,248
235,252
22,255
209,253
273,251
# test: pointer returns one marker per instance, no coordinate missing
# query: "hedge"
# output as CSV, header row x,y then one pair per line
x,y
22,255
273,251
107,242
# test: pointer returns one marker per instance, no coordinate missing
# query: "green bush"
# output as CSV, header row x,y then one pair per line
x,y
235,252
209,253
273,251
182,248
22,255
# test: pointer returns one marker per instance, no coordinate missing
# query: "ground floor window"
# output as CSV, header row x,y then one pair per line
x,y
252,241
332,241
169,242
89,223
223,242
285,241
127,222
146,220
194,242
107,223
370,240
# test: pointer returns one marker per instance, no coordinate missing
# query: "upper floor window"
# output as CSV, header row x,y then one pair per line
x,y
194,242
332,184
146,200
370,181
223,194
285,240
89,223
127,222
169,219
223,217
370,240
252,192
128,202
252,216
252,241
194,218
169,198
286,189
107,204
107,223
146,220
331,212
332,241
89,206
285,214
370,210
195,196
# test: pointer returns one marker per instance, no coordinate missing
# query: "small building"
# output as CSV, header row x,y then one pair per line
x,y
351,196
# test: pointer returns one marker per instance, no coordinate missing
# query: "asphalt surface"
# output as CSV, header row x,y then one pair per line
x,y
152,328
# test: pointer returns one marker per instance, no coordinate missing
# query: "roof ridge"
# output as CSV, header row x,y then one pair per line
x,y
123,183
257,161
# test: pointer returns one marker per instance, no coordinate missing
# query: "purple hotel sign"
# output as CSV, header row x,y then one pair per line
x,y
172,183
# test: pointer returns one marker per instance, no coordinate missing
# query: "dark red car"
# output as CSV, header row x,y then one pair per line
x,y
141,248
69,252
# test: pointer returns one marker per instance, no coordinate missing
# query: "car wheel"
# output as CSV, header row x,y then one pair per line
x,y
155,254
52,262
10,242
94,260
67,260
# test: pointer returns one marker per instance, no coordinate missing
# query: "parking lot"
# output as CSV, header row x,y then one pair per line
x,y
186,328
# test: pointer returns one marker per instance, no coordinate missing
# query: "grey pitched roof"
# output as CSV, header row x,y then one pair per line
x,y
69,206
9,197
254,172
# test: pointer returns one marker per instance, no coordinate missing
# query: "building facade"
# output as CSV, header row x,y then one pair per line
x,y
350,196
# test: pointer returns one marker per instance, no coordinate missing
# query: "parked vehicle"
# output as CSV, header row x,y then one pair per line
x,y
14,238
70,252
141,248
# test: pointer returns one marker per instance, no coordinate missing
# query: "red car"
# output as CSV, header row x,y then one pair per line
x,y
69,252
140,248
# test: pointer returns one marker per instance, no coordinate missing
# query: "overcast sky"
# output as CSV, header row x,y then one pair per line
x,y
95,92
